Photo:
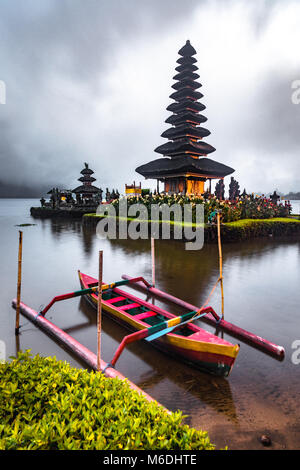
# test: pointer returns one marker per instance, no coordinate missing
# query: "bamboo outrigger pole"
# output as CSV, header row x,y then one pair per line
x,y
153,261
17,328
90,290
220,262
99,311
89,357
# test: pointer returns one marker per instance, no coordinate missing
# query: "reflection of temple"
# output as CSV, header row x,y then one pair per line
x,y
185,166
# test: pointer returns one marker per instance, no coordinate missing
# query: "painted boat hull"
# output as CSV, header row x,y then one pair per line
x,y
197,347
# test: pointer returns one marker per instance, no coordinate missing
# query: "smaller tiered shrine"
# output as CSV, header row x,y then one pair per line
x,y
87,191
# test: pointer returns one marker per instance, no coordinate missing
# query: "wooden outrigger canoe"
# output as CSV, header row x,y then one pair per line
x,y
187,341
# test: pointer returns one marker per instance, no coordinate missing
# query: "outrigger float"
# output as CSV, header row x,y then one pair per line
x,y
79,350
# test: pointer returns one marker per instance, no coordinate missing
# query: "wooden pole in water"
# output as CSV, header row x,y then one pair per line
x,y
153,261
220,263
17,328
99,311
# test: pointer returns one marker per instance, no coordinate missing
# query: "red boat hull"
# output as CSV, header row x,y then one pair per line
x,y
189,343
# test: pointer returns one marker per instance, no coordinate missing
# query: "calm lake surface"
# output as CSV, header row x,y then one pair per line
x,y
262,295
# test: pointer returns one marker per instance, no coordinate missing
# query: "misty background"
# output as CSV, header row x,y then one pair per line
x,y
89,81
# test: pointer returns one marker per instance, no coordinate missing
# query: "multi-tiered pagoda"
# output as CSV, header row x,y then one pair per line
x,y
185,166
87,190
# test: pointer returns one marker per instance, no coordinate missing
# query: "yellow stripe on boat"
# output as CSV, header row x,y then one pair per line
x,y
173,322
201,346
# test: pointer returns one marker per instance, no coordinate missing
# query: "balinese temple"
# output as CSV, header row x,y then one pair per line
x,y
87,190
185,167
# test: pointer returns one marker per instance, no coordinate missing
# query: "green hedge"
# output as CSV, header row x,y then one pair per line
x,y
243,229
45,404
246,229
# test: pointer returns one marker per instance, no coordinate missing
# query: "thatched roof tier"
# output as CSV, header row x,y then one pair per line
x,y
183,67
186,105
185,147
188,83
187,50
182,166
186,93
86,170
85,189
59,191
87,179
194,118
185,130
186,61
186,75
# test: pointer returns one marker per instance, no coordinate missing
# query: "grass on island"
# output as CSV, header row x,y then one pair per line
x,y
147,221
245,222
237,223
45,404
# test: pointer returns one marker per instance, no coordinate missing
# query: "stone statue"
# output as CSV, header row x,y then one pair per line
x,y
234,189
107,195
274,197
220,190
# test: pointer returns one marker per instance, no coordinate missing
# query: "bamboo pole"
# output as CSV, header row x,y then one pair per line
x,y
17,328
220,262
153,261
99,311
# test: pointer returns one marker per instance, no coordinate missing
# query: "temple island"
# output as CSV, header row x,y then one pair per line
x,y
185,166
74,202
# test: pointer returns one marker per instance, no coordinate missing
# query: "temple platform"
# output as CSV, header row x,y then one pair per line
x,y
66,212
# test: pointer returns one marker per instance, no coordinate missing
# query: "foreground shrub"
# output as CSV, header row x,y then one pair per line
x,y
45,404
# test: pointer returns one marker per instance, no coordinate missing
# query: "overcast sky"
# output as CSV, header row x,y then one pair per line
x,y
89,81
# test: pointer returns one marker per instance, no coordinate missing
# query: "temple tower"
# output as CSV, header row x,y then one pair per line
x,y
185,166
87,191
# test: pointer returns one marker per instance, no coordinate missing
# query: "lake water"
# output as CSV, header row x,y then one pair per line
x,y
262,295
295,207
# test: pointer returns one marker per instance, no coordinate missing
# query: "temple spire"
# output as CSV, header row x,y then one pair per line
x,y
87,190
185,138
184,166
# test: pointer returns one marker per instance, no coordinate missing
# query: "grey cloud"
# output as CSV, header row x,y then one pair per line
x,y
76,41
57,57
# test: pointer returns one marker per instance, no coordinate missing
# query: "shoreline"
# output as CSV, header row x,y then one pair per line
x,y
244,229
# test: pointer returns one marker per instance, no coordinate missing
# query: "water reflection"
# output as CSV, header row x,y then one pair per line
x,y
60,227
261,284
214,392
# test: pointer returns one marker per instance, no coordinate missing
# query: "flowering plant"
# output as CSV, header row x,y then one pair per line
x,y
244,207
